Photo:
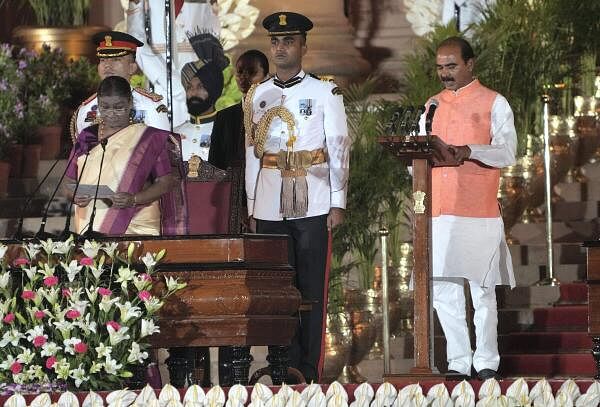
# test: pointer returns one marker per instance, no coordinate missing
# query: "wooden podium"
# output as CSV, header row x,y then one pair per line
x,y
418,152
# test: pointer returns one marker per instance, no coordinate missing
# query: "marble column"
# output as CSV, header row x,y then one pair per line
x,y
330,43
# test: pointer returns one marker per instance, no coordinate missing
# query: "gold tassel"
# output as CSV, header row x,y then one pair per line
x,y
294,193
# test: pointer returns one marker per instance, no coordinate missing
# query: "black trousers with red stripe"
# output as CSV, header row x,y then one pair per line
x,y
308,254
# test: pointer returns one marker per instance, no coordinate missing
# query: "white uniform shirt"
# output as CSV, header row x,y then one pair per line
x,y
151,58
195,139
475,248
148,110
320,122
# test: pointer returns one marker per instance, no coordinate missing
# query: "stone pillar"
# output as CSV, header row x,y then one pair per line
x,y
330,43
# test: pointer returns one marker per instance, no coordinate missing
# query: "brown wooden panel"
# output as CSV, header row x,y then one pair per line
x,y
594,309
593,263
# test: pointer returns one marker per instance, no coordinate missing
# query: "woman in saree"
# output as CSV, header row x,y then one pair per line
x,y
141,164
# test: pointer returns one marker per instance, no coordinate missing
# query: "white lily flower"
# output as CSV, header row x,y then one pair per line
x,y
3,249
153,305
148,261
96,367
47,246
72,269
32,249
50,349
148,328
86,325
75,294
79,305
119,336
97,271
135,354
4,279
173,284
125,274
26,356
65,327
107,303
111,366
90,249
79,375
92,293
62,369
36,372
110,248
103,351
63,247
47,270
141,283
31,272
128,311
12,336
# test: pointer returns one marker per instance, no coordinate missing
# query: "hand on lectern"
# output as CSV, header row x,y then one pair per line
x,y
442,153
461,153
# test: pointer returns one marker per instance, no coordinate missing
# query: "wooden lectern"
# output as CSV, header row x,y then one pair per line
x,y
418,152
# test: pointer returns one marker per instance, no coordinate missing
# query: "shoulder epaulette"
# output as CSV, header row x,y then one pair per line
x,y
73,126
322,78
151,95
267,79
89,99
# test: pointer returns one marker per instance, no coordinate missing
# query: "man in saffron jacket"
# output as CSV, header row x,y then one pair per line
x,y
476,124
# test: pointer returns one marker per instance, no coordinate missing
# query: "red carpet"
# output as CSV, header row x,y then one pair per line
x,y
556,345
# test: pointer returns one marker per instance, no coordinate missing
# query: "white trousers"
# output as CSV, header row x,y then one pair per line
x,y
450,305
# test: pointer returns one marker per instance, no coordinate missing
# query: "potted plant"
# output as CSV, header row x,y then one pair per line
x,y
80,316
61,24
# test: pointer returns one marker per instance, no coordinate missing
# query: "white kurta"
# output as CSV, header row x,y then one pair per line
x,y
475,248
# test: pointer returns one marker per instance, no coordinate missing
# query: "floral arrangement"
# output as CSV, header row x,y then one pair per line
x,y
81,316
11,106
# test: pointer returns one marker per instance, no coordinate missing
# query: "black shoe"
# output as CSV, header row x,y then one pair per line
x,y
453,375
485,374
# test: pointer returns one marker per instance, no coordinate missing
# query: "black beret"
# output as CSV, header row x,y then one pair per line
x,y
115,44
287,23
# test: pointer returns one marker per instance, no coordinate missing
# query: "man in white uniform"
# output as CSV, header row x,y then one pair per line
x,y
116,53
297,171
190,18
468,241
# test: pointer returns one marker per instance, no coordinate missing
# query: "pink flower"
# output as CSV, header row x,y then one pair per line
x,y
80,347
39,341
39,314
86,261
21,261
144,295
66,292
146,277
9,318
105,292
16,368
50,281
72,314
28,295
50,362
114,325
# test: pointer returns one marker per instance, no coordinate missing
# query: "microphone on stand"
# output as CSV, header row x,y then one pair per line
x,y
414,123
405,119
391,127
64,235
433,104
90,234
41,233
18,235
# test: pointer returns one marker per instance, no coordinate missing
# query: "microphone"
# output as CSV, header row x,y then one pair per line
x,y
433,104
64,235
405,119
41,233
18,235
90,233
414,128
391,127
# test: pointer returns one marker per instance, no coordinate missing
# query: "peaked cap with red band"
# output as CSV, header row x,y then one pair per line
x,y
112,44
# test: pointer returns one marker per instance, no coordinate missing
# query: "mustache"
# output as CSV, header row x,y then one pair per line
x,y
195,100
447,78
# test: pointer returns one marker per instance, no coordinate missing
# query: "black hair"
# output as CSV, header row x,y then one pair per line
x,y
114,86
466,51
254,55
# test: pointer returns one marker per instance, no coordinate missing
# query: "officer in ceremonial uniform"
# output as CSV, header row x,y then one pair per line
x,y
297,159
116,52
